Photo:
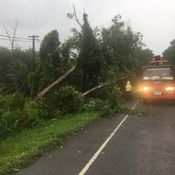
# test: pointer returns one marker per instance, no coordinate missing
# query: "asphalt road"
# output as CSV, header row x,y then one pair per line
x,y
139,146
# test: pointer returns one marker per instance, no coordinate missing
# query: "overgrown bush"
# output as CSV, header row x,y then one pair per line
x,y
99,105
106,110
94,104
69,100
51,105
33,113
16,114
12,102
11,114
107,104
10,122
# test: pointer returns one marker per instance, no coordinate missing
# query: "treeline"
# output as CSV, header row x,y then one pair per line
x,y
169,53
100,56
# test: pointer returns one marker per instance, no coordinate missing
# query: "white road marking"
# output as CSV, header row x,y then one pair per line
x,y
94,157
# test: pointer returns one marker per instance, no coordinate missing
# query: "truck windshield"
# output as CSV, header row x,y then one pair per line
x,y
157,74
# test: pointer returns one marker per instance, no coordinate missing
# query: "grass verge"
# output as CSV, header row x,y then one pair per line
x,y
19,150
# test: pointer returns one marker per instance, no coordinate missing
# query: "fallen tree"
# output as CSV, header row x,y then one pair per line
x,y
96,88
104,85
45,91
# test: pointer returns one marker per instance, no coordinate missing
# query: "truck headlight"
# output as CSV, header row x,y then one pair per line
x,y
169,88
146,89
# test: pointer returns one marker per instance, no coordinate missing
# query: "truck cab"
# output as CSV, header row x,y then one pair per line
x,y
158,80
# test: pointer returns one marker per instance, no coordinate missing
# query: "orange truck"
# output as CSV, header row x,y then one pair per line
x,y
158,80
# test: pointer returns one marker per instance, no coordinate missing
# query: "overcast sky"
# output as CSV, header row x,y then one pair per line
x,y
155,19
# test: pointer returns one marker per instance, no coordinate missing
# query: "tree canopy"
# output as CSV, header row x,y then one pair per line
x,y
100,55
169,53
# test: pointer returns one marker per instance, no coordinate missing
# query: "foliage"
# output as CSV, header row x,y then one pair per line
x,y
14,70
69,100
114,98
11,116
106,110
33,82
12,102
93,104
107,105
33,113
50,65
123,48
18,112
169,53
100,55
69,50
55,59
49,48
89,61
10,123
19,150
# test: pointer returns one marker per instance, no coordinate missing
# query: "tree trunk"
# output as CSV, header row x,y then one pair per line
x,y
53,84
103,85
97,87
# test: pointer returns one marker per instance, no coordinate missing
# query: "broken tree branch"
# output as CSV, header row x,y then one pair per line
x,y
95,88
76,18
103,85
74,14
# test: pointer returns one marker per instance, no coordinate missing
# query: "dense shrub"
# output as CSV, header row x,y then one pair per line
x,y
69,100
94,104
12,102
10,106
10,122
33,113
51,105
106,110
16,114
11,114
99,105
107,104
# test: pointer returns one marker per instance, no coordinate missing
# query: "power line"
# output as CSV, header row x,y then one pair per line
x,y
17,40
15,37
33,48
4,39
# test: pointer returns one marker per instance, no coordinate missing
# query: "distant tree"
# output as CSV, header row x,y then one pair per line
x,y
14,70
12,38
54,61
169,53
49,50
119,43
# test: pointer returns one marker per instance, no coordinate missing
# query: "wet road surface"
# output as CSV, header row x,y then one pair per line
x,y
140,146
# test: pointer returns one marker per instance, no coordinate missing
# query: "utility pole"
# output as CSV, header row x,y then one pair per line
x,y
33,49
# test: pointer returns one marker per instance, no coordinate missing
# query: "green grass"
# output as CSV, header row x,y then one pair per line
x,y
19,150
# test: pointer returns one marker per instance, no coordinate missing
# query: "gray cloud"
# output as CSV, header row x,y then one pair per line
x,y
153,18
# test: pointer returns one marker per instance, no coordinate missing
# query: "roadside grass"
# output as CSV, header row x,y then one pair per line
x,y
19,150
